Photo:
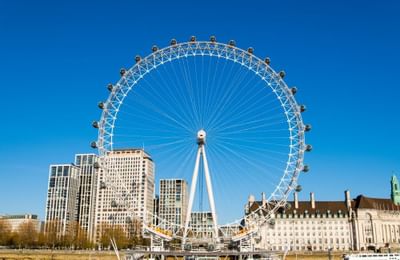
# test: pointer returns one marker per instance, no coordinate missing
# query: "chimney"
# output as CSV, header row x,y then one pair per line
x,y
263,199
248,205
251,199
296,200
347,199
312,199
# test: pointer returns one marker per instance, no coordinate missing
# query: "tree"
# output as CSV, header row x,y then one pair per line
x,y
81,240
5,232
120,237
76,237
52,233
105,234
135,233
27,235
115,232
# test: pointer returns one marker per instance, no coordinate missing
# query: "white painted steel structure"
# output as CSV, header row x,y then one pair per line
x,y
229,52
201,152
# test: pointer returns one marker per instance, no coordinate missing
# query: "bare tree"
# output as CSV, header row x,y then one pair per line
x,y
5,232
76,237
113,231
52,233
27,235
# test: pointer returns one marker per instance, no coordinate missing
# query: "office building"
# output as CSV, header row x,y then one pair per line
x,y
156,209
173,200
62,194
126,191
86,206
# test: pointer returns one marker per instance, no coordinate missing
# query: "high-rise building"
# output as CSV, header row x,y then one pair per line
x,y
87,192
173,202
62,197
156,209
126,190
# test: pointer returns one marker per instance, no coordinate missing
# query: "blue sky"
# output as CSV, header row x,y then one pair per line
x,y
56,59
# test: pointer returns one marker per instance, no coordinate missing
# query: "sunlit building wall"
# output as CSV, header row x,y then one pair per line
x,y
173,201
87,192
125,194
62,197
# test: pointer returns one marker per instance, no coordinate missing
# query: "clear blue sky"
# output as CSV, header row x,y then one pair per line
x,y
57,57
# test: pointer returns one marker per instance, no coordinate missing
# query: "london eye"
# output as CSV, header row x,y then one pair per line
x,y
216,116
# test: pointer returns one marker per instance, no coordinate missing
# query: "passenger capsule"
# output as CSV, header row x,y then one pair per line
x,y
267,60
308,148
307,128
272,222
173,42
213,39
96,165
122,72
95,124
137,58
101,105
298,188
114,204
232,43
288,206
93,144
154,48
250,50
302,108
306,168
293,90
103,185
282,74
128,220
110,87
193,38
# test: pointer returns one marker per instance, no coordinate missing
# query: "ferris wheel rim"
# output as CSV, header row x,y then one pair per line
x,y
247,59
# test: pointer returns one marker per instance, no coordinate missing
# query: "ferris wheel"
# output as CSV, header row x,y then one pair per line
x,y
217,117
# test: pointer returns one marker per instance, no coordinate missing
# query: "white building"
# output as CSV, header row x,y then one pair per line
x,y
62,196
173,202
126,191
15,221
87,192
307,226
358,224
376,222
201,225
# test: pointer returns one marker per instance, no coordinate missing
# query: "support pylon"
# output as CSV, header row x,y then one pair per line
x,y
201,153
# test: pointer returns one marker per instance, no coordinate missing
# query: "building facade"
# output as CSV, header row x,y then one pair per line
x,y
126,191
86,206
358,224
16,221
375,223
156,209
201,225
62,194
307,226
173,202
